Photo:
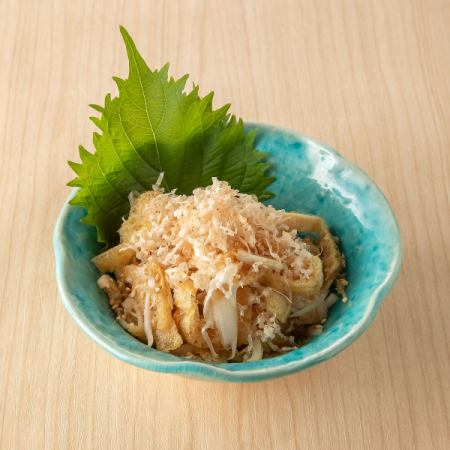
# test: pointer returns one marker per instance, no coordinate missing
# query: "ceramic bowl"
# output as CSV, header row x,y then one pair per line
x,y
310,178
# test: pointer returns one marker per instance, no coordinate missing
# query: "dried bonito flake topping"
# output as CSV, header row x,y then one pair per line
x,y
217,275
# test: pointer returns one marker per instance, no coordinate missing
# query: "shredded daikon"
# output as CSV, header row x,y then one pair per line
x,y
157,185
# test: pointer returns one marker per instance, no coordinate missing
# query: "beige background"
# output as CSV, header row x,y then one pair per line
x,y
371,78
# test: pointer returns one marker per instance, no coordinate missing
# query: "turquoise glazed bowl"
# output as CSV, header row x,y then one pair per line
x,y
310,178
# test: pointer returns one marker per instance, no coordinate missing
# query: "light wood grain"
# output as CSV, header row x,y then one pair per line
x,y
371,78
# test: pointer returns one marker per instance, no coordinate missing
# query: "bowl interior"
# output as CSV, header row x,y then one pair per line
x,y
310,178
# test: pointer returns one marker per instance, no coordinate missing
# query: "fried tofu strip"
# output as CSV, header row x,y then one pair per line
x,y
186,315
164,327
114,259
331,257
309,287
303,222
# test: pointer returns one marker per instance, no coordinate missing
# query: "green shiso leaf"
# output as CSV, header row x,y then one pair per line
x,y
155,126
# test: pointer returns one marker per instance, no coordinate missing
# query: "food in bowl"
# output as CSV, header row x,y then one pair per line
x,y
195,264
219,276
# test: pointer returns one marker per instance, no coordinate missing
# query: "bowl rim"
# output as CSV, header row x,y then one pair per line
x,y
219,372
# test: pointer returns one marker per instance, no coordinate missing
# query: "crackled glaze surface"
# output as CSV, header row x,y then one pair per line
x,y
310,178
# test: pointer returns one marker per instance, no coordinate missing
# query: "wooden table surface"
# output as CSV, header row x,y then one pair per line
x,y
369,77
